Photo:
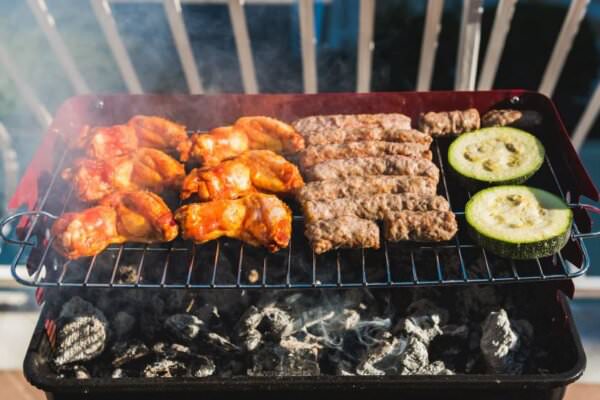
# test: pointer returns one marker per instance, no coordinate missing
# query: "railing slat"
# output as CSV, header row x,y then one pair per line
x,y
109,27
46,22
365,45
182,43
468,45
500,28
429,44
39,109
242,43
587,119
10,166
563,45
307,40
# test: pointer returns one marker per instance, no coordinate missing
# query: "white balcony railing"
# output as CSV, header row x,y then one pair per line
x,y
466,67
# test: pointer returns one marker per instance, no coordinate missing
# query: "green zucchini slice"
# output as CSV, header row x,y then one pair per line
x,y
496,156
519,222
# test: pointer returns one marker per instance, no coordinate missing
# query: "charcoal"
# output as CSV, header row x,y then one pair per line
x,y
475,303
82,332
81,372
184,327
125,353
503,343
221,342
414,357
277,361
126,274
122,324
269,321
165,369
435,368
203,367
118,374
174,351
382,357
425,327
231,368
425,307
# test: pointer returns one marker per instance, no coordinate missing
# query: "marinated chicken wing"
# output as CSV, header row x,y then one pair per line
x,y
158,133
254,170
265,133
145,169
86,233
258,133
141,131
138,216
257,219
215,146
107,141
142,216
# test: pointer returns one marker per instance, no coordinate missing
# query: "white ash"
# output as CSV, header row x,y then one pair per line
x,y
81,372
406,350
165,369
118,374
185,327
278,361
269,319
203,367
503,343
125,353
82,332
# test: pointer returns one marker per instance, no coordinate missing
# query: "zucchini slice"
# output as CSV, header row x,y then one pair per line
x,y
496,156
519,222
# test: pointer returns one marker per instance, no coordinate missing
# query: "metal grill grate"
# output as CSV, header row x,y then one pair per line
x,y
227,263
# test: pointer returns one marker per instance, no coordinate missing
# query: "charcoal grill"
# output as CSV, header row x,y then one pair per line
x,y
184,265
227,264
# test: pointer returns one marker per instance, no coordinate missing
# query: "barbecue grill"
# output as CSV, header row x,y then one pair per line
x,y
227,264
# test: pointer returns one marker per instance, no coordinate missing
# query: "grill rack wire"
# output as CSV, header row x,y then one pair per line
x,y
49,270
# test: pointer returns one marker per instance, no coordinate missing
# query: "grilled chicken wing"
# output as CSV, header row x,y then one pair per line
x,y
158,133
258,133
215,146
257,219
270,134
86,233
142,216
107,141
145,169
124,216
254,170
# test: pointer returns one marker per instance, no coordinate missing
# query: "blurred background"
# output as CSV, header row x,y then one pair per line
x,y
51,50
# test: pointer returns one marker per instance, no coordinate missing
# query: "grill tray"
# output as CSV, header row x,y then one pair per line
x,y
230,264
547,309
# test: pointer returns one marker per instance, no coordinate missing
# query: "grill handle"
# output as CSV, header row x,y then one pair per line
x,y
592,209
17,215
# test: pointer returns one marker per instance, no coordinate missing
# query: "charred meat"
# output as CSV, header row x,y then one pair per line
x,y
313,155
368,166
375,207
449,123
328,129
420,226
358,186
344,232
